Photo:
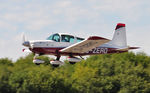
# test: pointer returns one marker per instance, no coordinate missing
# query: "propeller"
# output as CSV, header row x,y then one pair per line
x,y
26,42
23,38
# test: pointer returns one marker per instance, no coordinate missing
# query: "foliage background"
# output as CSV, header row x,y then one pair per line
x,y
110,73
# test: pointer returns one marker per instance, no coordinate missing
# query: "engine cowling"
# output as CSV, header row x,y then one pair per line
x,y
73,60
56,63
38,61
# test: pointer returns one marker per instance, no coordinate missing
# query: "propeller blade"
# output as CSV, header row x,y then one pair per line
x,y
23,37
25,42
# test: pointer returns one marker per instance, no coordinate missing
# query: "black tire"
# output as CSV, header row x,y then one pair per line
x,y
55,65
72,63
37,63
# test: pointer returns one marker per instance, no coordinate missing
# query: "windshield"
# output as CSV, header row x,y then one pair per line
x,y
54,37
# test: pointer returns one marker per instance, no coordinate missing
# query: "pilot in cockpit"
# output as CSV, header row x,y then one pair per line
x,y
64,38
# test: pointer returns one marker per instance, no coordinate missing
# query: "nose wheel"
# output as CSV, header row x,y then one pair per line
x,y
56,63
36,60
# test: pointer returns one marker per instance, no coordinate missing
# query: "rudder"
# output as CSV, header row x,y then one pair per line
x,y
119,38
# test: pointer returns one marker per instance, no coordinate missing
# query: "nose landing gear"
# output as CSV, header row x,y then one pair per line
x,y
56,63
37,61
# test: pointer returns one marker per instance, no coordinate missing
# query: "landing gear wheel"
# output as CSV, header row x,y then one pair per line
x,y
37,63
55,65
72,62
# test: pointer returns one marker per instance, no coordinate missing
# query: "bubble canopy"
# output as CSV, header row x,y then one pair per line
x,y
58,37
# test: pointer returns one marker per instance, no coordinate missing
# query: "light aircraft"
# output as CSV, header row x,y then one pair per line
x,y
60,44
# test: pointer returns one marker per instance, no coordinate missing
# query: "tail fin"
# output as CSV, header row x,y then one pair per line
x,y
119,38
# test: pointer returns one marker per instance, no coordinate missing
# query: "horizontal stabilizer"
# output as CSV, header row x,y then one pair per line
x,y
127,48
134,47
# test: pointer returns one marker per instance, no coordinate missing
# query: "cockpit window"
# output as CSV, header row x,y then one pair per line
x,y
67,38
64,38
79,39
50,37
54,37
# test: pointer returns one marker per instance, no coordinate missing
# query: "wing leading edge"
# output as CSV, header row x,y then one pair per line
x,y
85,45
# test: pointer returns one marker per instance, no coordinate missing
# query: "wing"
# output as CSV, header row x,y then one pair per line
x,y
85,45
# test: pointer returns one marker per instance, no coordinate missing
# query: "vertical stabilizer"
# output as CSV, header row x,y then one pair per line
x,y
119,38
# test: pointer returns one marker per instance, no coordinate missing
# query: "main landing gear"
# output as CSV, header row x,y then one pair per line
x,y
56,63
73,60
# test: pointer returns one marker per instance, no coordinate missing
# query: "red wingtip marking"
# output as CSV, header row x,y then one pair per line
x,y
96,38
119,25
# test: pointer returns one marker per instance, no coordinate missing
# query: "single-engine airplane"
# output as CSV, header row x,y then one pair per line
x,y
60,44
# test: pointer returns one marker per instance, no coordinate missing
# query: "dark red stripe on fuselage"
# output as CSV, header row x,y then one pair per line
x,y
43,50
95,51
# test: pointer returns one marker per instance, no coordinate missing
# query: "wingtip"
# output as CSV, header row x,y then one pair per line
x,y
96,38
